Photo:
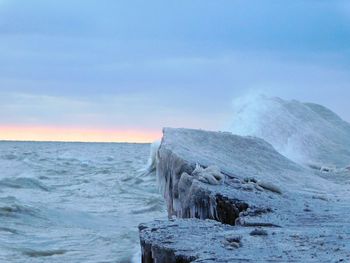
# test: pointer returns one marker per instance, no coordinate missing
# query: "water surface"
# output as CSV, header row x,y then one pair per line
x,y
74,202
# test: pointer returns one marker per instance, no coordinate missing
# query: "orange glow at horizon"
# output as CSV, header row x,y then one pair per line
x,y
45,133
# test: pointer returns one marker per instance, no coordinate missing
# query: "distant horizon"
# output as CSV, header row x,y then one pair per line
x,y
69,134
73,142
29,133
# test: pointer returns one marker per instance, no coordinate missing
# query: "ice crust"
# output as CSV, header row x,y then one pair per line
x,y
300,208
207,241
251,166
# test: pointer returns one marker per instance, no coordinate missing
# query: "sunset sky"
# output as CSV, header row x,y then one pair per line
x,y
121,70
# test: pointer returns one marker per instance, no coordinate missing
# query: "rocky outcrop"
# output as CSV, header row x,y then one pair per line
x,y
265,206
207,241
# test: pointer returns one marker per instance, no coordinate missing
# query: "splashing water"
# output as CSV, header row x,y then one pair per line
x,y
306,133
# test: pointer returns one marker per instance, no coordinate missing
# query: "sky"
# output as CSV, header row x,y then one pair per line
x,y
112,70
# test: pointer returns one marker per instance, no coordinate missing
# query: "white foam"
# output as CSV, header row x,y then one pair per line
x,y
304,132
152,160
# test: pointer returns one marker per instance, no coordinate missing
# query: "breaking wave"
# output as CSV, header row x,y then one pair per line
x,y
152,160
306,133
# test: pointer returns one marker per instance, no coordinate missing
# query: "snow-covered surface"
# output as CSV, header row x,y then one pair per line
x,y
304,132
305,212
208,241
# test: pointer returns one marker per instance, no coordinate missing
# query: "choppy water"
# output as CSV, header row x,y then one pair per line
x,y
74,202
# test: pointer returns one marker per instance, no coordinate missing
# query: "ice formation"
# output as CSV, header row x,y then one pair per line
x,y
207,241
232,161
259,179
244,181
210,175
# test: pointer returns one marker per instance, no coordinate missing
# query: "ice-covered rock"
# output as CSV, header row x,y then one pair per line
x,y
207,241
300,209
256,175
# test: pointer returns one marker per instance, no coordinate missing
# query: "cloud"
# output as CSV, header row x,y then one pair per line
x,y
152,64
187,91
130,111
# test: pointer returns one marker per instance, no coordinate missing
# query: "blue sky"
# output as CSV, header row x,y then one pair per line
x,y
148,64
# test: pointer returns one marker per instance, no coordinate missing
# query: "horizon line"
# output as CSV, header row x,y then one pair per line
x,y
76,134
62,141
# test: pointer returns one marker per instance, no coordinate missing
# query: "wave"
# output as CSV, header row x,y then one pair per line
x,y
9,156
152,160
306,133
43,253
23,182
103,177
10,207
8,230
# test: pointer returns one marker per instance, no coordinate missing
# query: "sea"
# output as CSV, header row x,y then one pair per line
x,y
74,202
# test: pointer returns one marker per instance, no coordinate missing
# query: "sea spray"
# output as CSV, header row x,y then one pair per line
x,y
306,133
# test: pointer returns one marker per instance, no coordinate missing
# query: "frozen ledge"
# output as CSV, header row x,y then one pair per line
x,y
207,241
277,209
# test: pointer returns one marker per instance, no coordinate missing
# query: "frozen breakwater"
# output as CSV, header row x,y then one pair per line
x,y
236,199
